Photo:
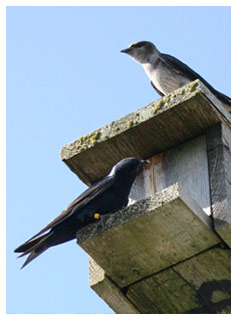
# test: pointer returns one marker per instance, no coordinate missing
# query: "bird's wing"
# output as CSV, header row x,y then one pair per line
x,y
181,68
90,194
157,90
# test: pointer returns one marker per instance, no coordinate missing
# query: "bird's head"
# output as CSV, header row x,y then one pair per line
x,y
142,52
128,168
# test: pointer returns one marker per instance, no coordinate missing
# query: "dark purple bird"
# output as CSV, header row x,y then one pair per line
x,y
106,196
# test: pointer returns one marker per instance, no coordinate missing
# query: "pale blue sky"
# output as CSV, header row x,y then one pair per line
x,y
65,78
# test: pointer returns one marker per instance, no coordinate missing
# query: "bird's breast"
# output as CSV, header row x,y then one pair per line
x,y
164,78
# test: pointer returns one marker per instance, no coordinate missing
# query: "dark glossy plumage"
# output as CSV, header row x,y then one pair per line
x,y
107,196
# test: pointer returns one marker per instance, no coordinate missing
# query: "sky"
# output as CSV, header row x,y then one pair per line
x,y
66,77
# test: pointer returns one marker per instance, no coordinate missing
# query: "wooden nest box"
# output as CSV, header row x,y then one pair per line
x,y
169,250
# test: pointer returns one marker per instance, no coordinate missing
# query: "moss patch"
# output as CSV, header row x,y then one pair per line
x,y
193,86
157,107
87,141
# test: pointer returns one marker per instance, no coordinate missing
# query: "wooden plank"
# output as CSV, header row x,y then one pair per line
x,y
200,284
165,292
209,275
186,165
108,290
148,236
218,152
163,124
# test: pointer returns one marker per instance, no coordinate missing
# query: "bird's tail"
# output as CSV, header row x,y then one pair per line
x,y
34,247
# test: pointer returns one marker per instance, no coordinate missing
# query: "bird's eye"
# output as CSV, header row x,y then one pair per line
x,y
135,45
139,44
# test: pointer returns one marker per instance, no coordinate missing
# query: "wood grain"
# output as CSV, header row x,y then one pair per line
x,y
198,285
218,152
163,124
209,273
148,236
159,254
186,165
108,290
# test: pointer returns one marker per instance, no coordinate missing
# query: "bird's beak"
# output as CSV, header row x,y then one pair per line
x,y
126,50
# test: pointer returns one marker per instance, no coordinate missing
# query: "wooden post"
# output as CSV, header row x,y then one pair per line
x,y
169,250
218,152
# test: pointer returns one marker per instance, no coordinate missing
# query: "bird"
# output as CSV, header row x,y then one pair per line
x,y
167,73
106,196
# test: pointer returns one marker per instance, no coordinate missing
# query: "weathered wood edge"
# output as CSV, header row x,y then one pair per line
x,y
133,119
194,207
140,208
221,112
206,273
94,145
218,152
171,232
108,290
157,107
